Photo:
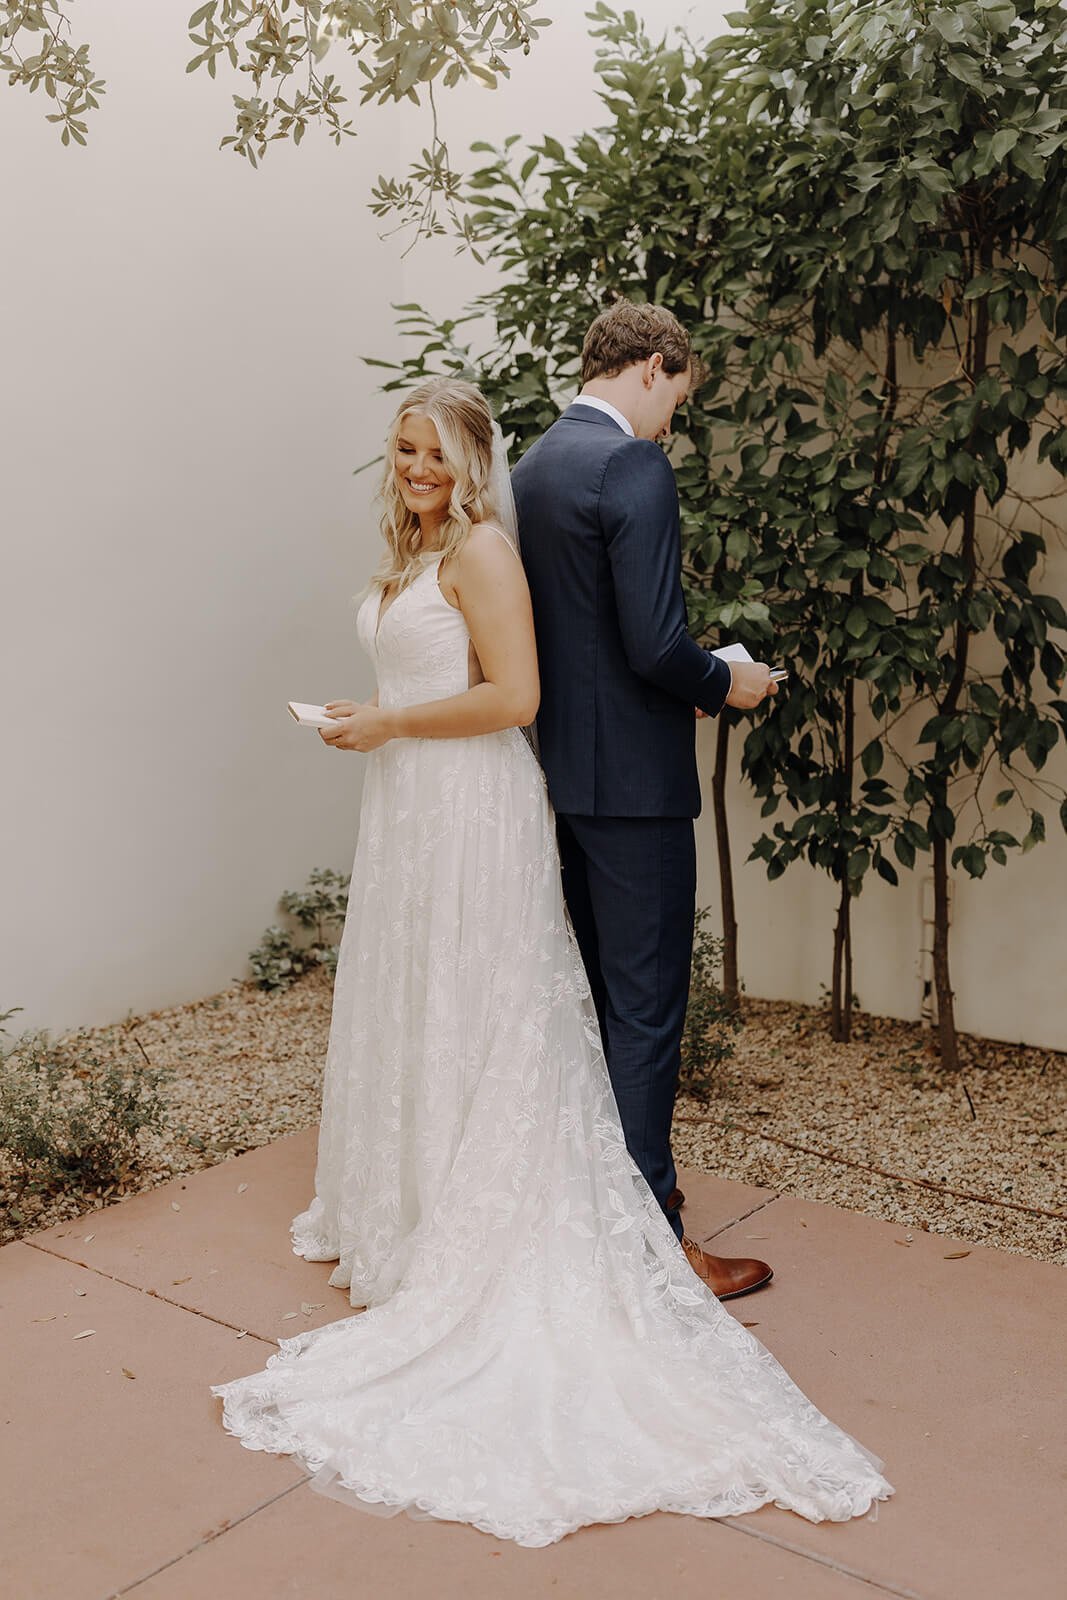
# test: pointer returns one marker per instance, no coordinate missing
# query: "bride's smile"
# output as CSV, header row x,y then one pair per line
x,y
422,477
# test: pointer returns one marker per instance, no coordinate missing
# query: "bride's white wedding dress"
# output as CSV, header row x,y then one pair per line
x,y
537,1353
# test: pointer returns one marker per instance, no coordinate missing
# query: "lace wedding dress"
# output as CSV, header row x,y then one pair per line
x,y
537,1353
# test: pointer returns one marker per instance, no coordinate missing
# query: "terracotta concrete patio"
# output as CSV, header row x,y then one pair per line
x,y
119,1480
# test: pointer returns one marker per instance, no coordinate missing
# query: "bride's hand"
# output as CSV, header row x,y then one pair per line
x,y
359,728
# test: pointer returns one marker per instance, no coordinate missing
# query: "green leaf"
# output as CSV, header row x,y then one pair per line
x,y
1036,834
905,850
949,24
836,392
972,858
998,15
980,285
872,758
965,68
1002,142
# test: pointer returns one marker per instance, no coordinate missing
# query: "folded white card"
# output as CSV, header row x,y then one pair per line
x,y
310,716
732,652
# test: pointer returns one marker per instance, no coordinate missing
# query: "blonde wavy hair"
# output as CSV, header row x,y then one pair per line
x,y
464,424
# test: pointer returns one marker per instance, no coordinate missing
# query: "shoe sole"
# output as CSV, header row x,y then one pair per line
x,y
735,1294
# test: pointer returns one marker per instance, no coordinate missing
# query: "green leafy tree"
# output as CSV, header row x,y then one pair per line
x,y
899,218
283,47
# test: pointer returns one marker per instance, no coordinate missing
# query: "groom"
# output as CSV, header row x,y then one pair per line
x,y
620,678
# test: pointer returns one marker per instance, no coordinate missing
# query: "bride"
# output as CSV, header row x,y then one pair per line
x,y
538,1353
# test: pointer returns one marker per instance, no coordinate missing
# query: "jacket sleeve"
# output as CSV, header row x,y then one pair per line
x,y
639,520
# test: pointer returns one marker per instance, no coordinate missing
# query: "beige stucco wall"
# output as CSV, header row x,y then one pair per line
x,y
181,407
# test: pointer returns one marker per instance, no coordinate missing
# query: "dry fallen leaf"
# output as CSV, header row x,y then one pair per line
x,y
904,1242
308,1306
243,1333
289,1314
126,1373
957,1255
81,1293
241,1187
176,1281
85,1333
52,1318
89,1236
757,1235
174,1206
750,1324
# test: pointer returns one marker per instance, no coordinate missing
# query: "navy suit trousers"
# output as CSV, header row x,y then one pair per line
x,y
630,887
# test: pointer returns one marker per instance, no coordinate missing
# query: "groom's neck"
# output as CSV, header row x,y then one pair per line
x,y
624,392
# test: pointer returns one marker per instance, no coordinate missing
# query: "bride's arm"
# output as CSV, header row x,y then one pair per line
x,y
490,585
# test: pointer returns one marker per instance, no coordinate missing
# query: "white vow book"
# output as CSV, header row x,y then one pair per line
x,y
310,716
737,652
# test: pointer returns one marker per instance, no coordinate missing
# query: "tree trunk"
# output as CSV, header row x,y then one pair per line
x,y
731,985
841,991
946,1016
975,366
841,980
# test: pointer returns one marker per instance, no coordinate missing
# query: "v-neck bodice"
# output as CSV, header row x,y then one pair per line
x,y
419,646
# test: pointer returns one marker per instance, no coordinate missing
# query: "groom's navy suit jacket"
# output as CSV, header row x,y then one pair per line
x,y
620,676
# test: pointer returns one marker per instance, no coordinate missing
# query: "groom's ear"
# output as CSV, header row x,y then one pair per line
x,y
652,366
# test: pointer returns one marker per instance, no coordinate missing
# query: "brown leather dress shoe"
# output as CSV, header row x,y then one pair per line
x,y
676,1201
727,1276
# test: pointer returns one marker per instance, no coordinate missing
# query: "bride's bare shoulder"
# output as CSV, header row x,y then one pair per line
x,y
486,539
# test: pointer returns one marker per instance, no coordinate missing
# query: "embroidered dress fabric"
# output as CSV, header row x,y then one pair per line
x,y
537,1353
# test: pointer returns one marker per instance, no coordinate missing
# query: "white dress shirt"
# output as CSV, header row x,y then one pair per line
x,y
608,410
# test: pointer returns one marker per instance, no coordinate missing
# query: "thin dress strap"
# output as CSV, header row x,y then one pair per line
x,y
506,538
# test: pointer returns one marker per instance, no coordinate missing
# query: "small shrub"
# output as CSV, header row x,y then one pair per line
x,y
71,1119
318,910
279,959
710,1025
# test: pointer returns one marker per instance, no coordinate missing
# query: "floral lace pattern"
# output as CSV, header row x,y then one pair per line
x,y
537,1353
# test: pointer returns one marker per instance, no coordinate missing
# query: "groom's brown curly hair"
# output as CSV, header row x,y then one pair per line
x,y
627,332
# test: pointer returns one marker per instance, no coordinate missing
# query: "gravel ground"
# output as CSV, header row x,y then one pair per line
x,y
247,1068
883,1102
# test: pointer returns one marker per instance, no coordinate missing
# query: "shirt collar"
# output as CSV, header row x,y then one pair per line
x,y
608,410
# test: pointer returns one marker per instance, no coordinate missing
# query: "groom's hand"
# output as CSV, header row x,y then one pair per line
x,y
751,684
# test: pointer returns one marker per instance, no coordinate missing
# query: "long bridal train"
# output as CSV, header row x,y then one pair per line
x,y
537,1353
